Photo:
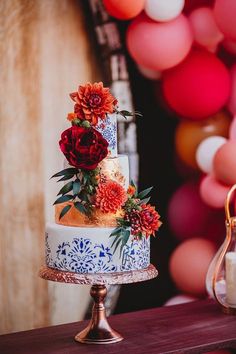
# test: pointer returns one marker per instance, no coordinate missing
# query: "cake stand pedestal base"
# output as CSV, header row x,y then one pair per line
x,y
98,331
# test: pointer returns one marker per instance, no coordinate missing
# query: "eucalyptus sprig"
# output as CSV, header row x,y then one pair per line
x,y
126,114
79,190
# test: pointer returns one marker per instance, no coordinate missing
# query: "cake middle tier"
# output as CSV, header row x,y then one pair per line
x,y
112,168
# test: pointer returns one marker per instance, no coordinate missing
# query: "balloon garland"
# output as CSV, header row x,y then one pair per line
x,y
180,43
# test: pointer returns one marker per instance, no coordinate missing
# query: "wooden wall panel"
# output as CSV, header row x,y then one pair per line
x,y
44,54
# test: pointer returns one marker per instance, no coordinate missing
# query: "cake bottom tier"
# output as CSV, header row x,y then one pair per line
x,y
89,250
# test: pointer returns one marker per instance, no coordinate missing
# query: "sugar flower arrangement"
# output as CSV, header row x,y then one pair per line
x,y
86,188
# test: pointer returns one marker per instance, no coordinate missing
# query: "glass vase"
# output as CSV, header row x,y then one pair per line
x,y
221,275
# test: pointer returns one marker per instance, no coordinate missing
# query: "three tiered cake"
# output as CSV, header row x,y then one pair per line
x,y
102,224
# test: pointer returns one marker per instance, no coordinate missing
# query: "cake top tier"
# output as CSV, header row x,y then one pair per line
x,y
96,107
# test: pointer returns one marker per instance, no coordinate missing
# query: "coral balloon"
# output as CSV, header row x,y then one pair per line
x,y
123,9
189,216
149,74
198,87
189,264
224,163
212,192
205,30
189,135
206,152
232,130
224,11
163,10
159,46
180,299
232,98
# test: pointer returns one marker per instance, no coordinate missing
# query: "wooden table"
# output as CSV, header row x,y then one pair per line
x,y
195,327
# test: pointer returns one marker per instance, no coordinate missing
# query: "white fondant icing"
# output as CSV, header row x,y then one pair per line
x,y
89,250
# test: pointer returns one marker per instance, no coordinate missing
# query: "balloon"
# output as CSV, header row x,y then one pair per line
x,y
205,31
232,98
224,163
190,5
212,192
159,46
189,264
232,130
198,87
224,12
180,299
149,74
163,10
189,135
189,216
123,9
229,45
206,152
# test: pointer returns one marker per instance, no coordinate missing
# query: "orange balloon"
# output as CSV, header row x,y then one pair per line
x,y
188,135
124,9
189,264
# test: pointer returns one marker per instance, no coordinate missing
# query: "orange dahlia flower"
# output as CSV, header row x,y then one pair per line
x,y
131,190
93,101
110,196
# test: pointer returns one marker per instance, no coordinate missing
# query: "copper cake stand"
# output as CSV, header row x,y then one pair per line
x,y
98,330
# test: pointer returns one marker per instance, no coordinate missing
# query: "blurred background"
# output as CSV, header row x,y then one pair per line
x,y
172,60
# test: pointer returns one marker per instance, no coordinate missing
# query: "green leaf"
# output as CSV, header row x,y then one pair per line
x,y
64,211
117,230
145,200
63,198
76,187
117,244
125,238
67,171
83,195
138,114
117,237
145,192
65,178
79,206
66,188
126,113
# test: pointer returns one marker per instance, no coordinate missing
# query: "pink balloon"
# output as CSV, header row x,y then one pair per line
x,y
232,98
180,299
205,30
159,46
232,130
224,11
212,192
198,87
224,163
189,264
189,216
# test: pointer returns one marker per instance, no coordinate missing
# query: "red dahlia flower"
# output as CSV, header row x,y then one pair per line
x,y
83,147
110,196
93,101
145,221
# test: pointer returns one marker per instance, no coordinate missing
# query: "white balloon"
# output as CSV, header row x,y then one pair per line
x,y
163,10
149,74
206,151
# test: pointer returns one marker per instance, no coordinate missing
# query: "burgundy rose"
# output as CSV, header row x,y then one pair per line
x,y
83,147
